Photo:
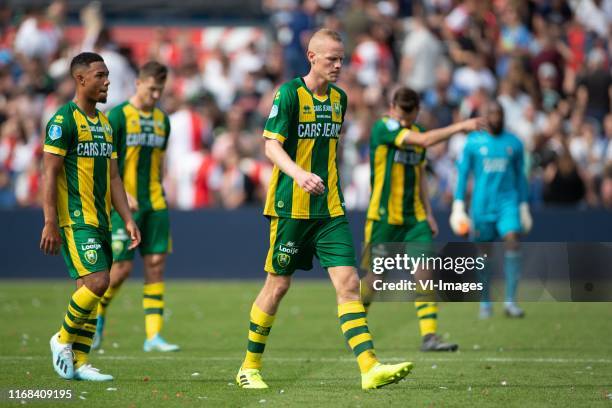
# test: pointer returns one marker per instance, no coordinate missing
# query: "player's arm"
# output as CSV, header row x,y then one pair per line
x,y
276,131
119,199
50,241
432,137
58,141
523,190
424,192
116,119
459,220
309,182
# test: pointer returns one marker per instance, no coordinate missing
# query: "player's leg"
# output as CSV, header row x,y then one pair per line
x,y
377,234
366,288
155,247
509,227
334,248
86,251
120,271
419,240
484,232
287,252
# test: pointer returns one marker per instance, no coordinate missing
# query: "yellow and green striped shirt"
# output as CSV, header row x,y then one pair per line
x,y
395,175
142,139
309,127
83,185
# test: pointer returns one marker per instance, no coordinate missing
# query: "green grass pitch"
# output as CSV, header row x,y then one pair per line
x,y
559,355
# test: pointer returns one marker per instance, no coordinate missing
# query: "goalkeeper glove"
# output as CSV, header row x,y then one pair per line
x,y
459,220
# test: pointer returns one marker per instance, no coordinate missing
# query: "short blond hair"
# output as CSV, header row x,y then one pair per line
x,y
324,33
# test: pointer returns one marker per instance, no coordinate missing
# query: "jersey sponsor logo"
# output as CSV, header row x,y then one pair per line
x,y
92,149
408,157
55,132
99,129
313,130
289,248
92,243
283,260
91,256
273,112
495,165
144,139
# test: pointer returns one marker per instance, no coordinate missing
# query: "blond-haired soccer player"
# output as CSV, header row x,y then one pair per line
x,y
141,130
306,211
81,178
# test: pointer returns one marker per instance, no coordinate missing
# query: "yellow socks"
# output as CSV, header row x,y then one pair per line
x,y
427,312
259,329
82,343
105,300
153,304
81,305
355,329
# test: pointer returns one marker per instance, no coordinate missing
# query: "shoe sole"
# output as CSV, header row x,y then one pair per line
x,y
84,379
451,349
395,378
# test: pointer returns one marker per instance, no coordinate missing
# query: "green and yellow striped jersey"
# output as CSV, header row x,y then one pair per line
x,y
395,175
308,126
83,185
142,139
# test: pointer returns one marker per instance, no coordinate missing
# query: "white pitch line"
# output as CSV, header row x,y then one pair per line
x,y
459,359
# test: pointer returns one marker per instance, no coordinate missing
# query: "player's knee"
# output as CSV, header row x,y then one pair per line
x,y
97,282
120,272
154,267
511,241
349,288
278,287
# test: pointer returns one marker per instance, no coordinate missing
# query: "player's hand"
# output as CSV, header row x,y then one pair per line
x,y
474,124
310,182
132,202
134,233
459,221
433,225
50,242
526,220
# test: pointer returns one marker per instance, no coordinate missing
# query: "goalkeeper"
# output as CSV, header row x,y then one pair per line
x,y
499,208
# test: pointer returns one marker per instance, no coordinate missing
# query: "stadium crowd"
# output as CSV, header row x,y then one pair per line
x,y
546,61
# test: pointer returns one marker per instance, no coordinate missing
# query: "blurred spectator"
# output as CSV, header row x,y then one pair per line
x,y
37,37
421,52
562,182
551,59
595,86
606,187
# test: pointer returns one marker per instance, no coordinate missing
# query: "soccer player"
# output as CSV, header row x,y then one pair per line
x,y
306,212
141,130
81,178
499,208
399,209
